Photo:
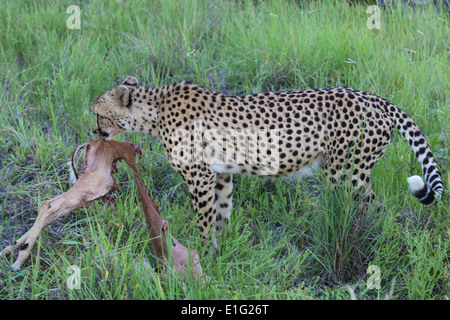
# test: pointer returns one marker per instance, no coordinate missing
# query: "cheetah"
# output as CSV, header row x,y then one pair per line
x,y
209,136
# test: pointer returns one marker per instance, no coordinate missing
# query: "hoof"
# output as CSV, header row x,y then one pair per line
x,y
15,267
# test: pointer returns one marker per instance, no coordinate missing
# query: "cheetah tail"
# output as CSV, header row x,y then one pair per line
x,y
424,192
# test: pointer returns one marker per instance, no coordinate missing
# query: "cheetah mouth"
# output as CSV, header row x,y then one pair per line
x,y
112,133
102,134
107,135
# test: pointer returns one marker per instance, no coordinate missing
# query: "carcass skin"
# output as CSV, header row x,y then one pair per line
x,y
95,181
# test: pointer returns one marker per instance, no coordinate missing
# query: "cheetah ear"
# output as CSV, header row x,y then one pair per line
x,y
123,94
131,81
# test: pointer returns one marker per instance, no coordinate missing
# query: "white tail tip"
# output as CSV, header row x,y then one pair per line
x,y
415,183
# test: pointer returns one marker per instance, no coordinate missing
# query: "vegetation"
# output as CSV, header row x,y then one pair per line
x,y
287,240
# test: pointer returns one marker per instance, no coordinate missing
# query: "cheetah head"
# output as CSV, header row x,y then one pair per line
x,y
112,111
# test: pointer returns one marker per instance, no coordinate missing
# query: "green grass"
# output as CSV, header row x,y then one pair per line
x,y
287,240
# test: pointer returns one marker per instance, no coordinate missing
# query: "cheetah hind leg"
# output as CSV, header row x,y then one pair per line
x,y
359,180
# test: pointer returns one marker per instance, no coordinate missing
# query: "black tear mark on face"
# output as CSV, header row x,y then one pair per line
x,y
99,131
98,123
130,96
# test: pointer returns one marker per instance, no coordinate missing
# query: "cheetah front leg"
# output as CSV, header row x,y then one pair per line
x,y
201,181
223,202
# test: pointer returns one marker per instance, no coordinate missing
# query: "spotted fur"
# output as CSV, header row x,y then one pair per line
x,y
342,130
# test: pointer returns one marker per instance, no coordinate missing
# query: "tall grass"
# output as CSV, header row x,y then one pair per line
x,y
287,240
